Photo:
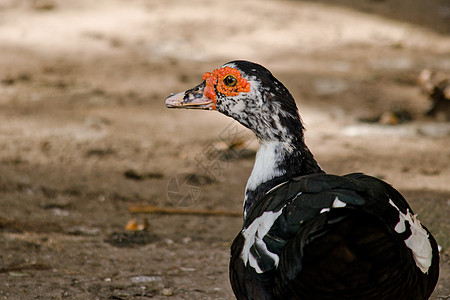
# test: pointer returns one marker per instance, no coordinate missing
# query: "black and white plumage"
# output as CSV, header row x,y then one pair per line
x,y
307,234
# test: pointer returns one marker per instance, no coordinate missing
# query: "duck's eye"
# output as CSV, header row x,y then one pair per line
x,y
230,80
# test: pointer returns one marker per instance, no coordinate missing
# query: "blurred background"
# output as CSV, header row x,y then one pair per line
x,y
86,141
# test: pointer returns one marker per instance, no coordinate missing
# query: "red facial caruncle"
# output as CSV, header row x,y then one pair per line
x,y
229,83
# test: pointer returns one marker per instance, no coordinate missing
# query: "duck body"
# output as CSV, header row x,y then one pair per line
x,y
324,236
307,234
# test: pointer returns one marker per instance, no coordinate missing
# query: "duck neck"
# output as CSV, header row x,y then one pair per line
x,y
275,163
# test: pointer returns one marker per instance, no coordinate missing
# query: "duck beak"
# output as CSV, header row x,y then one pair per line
x,y
193,98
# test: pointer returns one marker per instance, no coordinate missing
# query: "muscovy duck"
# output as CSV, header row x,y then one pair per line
x,y
308,234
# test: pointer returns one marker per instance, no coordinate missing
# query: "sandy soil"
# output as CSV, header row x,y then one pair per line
x,y
84,133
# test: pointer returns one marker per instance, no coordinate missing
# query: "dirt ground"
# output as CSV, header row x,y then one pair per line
x,y
84,133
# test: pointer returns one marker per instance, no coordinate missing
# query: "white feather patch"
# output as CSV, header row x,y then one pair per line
x,y
255,234
418,241
265,167
338,203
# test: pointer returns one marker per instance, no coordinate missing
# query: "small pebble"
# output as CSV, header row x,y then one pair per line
x,y
143,278
60,212
167,292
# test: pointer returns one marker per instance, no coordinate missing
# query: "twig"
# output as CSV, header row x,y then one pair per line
x,y
32,266
149,209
